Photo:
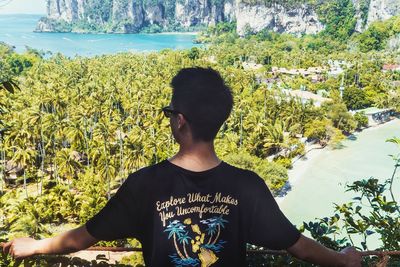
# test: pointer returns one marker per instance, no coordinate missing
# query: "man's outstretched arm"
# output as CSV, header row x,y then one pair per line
x,y
68,242
311,251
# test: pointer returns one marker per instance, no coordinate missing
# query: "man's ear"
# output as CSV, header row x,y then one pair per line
x,y
181,121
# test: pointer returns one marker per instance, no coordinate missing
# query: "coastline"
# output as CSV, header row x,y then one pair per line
x,y
177,33
313,152
299,167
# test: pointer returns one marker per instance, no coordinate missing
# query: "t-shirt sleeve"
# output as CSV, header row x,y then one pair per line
x,y
120,218
268,226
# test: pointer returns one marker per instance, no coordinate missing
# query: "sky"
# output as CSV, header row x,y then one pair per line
x,y
23,7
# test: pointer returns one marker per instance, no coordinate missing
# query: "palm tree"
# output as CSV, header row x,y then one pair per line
x,y
211,230
184,239
24,157
67,164
219,222
176,229
276,139
8,85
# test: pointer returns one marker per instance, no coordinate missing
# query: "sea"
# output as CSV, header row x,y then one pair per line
x,y
325,177
18,31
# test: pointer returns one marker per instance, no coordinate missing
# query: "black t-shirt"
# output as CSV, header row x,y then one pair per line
x,y
186,218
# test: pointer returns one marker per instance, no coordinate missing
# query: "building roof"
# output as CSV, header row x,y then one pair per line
x,y
306,95
373,110
391,67
251,66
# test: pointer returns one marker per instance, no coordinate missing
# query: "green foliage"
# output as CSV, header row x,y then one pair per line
x,y
194,53
339,18
38,261
135,260
222,31
99,11
13,64
284,162
362,120
364,9
355,98
321,130
337,112
57,25
153,28
375,37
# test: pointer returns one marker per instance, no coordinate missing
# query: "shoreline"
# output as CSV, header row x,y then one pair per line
x,y
313,152
177,33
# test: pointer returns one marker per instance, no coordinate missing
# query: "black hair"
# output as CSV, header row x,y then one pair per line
x,y
205,100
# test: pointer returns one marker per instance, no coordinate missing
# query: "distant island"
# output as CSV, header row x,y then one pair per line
x,y
153,16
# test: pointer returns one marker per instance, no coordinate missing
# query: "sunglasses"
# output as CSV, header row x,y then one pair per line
x,y
169,112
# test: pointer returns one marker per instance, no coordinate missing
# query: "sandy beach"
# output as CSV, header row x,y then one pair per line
x,y
300,166
179,33
313,153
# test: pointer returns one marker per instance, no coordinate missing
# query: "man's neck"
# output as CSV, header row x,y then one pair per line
x,y
199,156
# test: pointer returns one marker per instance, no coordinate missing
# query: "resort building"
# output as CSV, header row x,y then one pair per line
x,y
390,67
306,96
303,72
375,115
251,66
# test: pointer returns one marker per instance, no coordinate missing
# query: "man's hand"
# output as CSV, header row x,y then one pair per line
x,y
67,242
20,248
353,256
309,250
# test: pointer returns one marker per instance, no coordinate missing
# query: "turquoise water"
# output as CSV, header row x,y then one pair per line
x,y
17,30
324,179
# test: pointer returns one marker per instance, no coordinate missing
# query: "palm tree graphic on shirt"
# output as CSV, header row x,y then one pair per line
x,y
214,227
176,229
204,245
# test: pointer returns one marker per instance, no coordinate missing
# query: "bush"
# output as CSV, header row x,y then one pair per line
x,y
355,98
284,162
362,120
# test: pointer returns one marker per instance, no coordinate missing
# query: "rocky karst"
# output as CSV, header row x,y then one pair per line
x,y
130,16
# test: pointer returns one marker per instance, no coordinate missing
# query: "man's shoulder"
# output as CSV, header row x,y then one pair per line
x,y
146,173
244,175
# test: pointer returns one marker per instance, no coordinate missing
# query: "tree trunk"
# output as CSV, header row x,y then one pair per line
x,y
108,178
209,240
3,165
185,251
25,187
217,236
177,248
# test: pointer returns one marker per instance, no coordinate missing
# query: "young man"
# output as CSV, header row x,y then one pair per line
x,y
193,209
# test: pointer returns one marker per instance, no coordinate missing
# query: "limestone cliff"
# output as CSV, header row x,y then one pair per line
x,y
382,10
130,16
276,17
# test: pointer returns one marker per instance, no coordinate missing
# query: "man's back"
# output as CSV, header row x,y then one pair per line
x,y
186,218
